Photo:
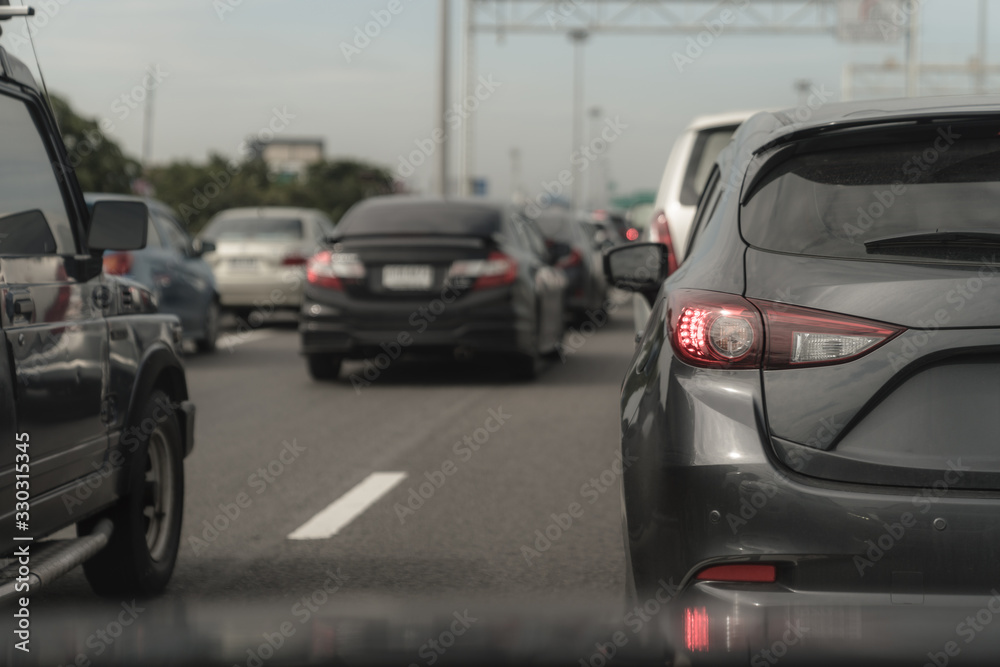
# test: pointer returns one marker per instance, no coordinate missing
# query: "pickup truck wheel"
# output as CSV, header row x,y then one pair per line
x,y
140,556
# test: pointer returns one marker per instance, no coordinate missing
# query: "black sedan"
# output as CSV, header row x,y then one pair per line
x,y
410,274
811,414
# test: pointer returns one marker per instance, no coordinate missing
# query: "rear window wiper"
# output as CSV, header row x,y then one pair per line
x,y
941,239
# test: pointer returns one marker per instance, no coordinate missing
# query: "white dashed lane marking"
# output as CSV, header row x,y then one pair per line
x,y
348,507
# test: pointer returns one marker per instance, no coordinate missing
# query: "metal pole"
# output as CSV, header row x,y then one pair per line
x,y
913,52
147,131
578,37
981,69
468,75
442,179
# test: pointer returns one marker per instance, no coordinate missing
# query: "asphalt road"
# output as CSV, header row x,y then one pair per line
x,y
481,463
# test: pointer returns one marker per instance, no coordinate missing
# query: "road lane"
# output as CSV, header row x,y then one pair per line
x,y
511,487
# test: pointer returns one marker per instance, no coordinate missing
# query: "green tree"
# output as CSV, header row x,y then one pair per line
x,y
99,163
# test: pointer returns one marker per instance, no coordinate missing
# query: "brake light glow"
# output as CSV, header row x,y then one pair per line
x,y
496,270
743,573
632,234
718,330
696,626
330,269
118,263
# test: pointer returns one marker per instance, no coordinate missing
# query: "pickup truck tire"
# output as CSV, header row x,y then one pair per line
x,y
140,556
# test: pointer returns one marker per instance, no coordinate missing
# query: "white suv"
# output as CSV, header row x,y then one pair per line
x,y
688,167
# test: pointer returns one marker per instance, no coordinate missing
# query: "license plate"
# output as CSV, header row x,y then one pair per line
x,y
243,264
407,277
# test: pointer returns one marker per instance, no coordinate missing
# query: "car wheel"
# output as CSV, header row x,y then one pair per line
x,y
140,556
207,344
324,366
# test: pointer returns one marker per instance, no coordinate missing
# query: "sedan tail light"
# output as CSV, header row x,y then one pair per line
x,y
331,269
661,231
718,330
118,263
496,270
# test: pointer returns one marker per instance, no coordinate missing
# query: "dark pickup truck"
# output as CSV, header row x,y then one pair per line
x,y
95,421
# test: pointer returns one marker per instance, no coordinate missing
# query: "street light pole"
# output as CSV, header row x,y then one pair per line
x,y
578,37
442,150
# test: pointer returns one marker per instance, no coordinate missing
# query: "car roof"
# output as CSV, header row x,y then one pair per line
x,y
766,130
267,212
428,200
719,120
92,197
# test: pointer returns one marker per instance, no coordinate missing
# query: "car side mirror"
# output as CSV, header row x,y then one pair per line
x,y
638,267
118,225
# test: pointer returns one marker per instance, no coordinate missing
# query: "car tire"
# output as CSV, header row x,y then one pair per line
x,y
140,556
324,366
526,367
207,344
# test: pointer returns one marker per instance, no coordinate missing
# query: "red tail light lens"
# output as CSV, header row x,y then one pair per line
x,y
496,270
294,260
744,572
661,228
118,263
331,269
632,234
805,337
696,627
717,330
574,258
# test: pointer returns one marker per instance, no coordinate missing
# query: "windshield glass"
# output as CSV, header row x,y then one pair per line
x,y
838,203
260,229
404,216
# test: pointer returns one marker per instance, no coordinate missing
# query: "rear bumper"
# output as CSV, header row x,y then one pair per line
x,y
490,321
276,291
703,487
730,624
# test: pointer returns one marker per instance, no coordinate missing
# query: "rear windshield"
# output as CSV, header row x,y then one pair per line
x,y
437,218
830,204
707,146
253,228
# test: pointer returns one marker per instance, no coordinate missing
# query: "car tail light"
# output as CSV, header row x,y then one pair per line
x,y
118,263
805,337
715,330
330,269
718,330
696,627
496,270
294,260
632,234
574,258
752,573
661,229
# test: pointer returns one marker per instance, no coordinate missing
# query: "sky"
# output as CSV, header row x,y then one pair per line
x,y
224,70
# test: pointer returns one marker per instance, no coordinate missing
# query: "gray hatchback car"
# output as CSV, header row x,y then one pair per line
x,y
811,415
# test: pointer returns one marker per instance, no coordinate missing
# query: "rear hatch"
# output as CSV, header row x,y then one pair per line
x,y
902,230
417,250
257,246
